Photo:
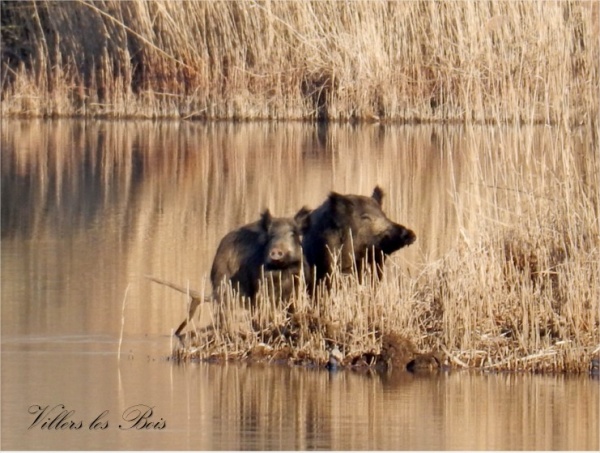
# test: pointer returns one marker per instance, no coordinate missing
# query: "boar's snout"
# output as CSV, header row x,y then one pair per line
x,y
276,255
397,237
408,237
281,257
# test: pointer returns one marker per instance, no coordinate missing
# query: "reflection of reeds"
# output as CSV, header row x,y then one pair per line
x,y
380,412
506,61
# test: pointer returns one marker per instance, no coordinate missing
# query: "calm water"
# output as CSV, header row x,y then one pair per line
x,y
89,208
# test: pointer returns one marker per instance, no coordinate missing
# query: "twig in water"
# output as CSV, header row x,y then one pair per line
x,y
123,320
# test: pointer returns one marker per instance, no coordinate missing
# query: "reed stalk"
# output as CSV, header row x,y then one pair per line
x,y
124,303
498,62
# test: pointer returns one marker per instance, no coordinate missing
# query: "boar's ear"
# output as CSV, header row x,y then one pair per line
x,y
377,195
302,219
265,220
340,204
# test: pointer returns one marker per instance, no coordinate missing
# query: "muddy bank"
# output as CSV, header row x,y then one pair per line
x,y
397,354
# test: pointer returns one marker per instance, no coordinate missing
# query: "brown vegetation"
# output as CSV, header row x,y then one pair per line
x,y
469,61
522,293
479,306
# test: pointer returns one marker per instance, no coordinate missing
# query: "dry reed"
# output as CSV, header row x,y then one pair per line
x,y
422,61
509,298
122,323
519,292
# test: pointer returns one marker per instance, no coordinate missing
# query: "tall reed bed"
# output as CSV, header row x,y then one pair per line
x,y
469,61
506,302
513,299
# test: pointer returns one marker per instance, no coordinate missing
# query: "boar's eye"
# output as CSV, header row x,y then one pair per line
x,y
366,218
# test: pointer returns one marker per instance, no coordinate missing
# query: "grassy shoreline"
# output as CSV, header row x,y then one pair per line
x,y
502,62
509,301
519,293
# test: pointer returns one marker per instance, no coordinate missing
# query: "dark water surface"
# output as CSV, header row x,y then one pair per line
x,y
89,208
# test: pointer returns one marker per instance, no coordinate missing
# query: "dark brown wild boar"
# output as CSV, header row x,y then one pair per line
x,y
356,227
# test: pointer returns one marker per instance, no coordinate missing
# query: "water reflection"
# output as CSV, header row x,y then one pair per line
x,y
90,207
126,199
265,407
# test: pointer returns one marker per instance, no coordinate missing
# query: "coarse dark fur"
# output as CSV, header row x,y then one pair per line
x,y
356,228
272,246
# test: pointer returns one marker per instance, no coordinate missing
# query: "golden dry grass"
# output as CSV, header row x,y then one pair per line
x,y
416,61
511,300
521,292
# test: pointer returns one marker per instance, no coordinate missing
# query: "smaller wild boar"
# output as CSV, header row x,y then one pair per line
x,y
270,247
